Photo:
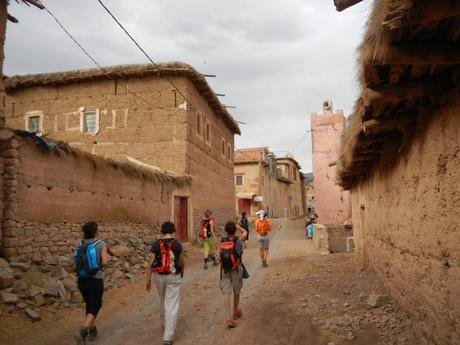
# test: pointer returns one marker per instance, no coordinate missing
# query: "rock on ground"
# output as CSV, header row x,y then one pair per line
x,y
32,314
6,275
376,300
8,297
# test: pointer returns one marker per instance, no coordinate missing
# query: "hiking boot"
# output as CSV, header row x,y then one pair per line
x,y
237,314
92,334
81,336
167,342
205,265
231,324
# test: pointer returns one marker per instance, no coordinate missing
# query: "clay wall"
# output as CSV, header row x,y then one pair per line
x,y
332,204
406,227
49,194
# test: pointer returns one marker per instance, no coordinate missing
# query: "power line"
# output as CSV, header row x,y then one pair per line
x,y
300,141
89,55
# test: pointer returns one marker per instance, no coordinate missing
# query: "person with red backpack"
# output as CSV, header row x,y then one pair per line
x,y
167,267
232,270
208,236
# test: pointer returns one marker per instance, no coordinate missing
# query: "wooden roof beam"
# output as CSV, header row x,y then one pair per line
x,y
341,5
422,54
385,124
425,12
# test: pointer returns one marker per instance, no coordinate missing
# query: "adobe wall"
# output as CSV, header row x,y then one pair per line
x,y
406,227
148,123
51,193
213,184
332,204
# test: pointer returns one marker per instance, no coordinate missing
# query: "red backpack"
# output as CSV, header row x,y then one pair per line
x,y
205,229
165,264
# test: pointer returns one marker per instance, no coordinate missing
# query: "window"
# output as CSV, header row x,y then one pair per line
x,y
90,122
208,133
239,180
34,122
198,123
229,150
223,147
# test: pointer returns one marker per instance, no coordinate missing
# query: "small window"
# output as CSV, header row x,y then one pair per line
x,y
90,122
34,124
223,147
239,180
229,150
198,123
208,133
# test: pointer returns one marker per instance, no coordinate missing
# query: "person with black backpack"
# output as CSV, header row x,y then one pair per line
x,y
208,236
90,255
168,267
232,270
244,223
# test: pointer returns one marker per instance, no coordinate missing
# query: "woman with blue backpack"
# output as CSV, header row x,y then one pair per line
x,y
89,257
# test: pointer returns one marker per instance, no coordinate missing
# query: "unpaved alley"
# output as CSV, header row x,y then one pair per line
x,y
302,297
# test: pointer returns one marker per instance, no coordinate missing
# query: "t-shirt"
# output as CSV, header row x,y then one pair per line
x,y
101,244
177,250
244,223
263,226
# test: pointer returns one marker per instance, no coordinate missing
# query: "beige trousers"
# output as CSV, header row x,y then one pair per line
x,y
168,286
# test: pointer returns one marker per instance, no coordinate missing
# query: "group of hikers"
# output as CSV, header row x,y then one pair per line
x,y
168,267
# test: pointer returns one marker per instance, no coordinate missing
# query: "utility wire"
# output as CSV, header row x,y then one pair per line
x,y
300,141
89,55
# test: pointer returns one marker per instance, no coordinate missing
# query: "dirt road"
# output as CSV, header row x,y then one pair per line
x,y
302,298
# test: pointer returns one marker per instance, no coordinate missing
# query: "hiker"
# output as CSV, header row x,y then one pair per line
x,y
232,270
90,255
309,230
244,223
208,236
263,227
168,266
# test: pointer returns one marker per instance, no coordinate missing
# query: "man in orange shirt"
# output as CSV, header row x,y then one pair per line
x,y
263,227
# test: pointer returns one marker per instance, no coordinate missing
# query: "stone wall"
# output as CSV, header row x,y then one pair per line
x,y
406,227
49,194
337,236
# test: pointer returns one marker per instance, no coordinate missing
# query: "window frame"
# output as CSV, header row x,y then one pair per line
x,y
85,113
31,114
222,149
198,124
242,180
208,134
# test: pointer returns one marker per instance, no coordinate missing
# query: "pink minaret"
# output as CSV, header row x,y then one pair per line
x,y
332,204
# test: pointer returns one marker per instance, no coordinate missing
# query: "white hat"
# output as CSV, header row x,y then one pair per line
x,y
261,213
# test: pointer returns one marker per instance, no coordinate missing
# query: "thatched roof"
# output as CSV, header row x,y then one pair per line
x,y
133,169
409,66
127,71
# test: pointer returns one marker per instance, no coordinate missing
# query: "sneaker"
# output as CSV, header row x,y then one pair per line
x,y
237,314
205,266
167,342
92,334
81,336
231,324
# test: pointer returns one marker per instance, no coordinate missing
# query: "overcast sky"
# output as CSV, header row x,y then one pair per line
x,y
275,61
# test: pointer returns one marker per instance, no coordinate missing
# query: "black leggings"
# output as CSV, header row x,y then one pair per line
x,y
92,290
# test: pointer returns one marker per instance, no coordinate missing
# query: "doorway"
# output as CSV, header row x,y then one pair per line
x,y
244,205
180,217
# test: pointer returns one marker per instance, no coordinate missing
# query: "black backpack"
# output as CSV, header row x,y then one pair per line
x,y
228,257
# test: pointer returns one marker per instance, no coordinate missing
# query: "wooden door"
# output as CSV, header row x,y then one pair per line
x,y
180,217
244,205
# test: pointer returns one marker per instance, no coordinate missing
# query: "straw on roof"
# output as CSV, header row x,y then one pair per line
x,y
127,71
409,65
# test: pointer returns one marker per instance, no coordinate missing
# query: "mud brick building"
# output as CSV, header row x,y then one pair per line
x,y
400,159
332,203
47,191
264,181
131,113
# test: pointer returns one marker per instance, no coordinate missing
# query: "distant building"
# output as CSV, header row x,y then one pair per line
x,y
266,182
309,193
332,204
132,113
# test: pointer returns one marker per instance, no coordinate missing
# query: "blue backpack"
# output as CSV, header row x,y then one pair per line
x,y
85,259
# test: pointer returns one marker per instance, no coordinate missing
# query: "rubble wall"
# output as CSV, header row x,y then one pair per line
x,y
406,227
51,193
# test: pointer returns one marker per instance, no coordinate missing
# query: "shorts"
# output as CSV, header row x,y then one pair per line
x,y
263,242
233,279
92,290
